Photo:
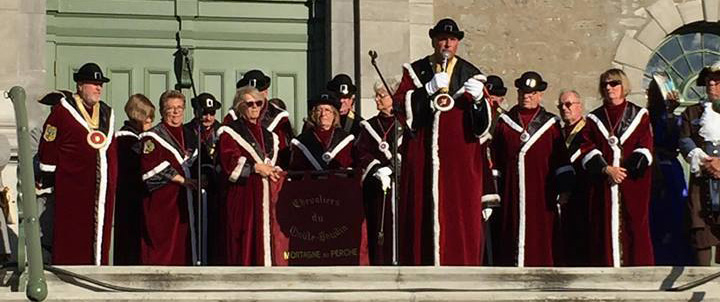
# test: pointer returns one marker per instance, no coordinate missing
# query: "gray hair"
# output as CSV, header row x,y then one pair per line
x,y
392,82
573,91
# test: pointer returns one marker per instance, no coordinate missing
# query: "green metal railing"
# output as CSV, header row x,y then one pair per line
x,y
29,249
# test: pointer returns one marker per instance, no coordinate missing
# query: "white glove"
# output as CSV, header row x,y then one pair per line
x,y
440,80
383,175
474,87
486,212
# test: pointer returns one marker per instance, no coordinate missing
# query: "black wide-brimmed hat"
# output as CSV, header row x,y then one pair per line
x,y
705,71
530,81
496,86
447,26
205,101
325,98
342,85
90,72
254,78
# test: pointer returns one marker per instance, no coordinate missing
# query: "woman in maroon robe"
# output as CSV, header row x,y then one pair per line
x,y
323,145
168,234
374,145
616,152
248,153
130,188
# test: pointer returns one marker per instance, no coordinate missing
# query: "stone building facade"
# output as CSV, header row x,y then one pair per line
x,y
570,42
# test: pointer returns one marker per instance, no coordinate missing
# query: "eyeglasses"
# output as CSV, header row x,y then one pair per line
x,y
176,109
566,104
255,103
613,83
208,112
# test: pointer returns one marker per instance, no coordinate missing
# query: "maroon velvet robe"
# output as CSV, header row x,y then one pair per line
x,y
82,179
275,120
130,194
620,232
168,235
247,203
442,174
532,173
369,159
333,150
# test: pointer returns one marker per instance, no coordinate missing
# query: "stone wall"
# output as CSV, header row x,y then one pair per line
x,y
397,30
22,58
570,42
22,62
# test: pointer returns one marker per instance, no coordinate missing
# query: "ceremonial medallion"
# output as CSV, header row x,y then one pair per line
x,y
96,139
326,157
443,102
613,141
384,146
524,137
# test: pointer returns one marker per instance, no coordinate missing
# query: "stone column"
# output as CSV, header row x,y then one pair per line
x,y
397,30
22,63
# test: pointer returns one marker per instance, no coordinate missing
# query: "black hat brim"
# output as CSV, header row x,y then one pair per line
x,y
499,91
335,103
540,87
79,78
459,34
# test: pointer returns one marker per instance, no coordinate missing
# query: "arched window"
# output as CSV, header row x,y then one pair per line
x,y
682,55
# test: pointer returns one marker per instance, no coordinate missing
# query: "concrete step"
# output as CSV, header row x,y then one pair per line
x,y
380,284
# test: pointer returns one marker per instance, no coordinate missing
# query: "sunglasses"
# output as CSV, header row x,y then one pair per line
x,y
566,105
613,83
254,104
208,112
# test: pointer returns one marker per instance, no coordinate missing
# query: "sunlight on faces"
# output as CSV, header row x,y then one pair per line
x,y
254,107
570,107
326,116
174,112
383,101
613,91
529,100
445,42
90,92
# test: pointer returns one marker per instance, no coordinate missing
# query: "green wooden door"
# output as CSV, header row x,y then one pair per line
x,y
133,41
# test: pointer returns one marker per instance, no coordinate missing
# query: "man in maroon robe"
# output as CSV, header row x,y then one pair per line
x,y
574,247
440,98
166,163
530,154
78,165
616,152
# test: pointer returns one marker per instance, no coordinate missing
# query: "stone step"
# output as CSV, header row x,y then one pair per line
x,y
379,284
371,296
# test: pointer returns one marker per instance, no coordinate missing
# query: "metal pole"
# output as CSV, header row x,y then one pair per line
x,y
36,287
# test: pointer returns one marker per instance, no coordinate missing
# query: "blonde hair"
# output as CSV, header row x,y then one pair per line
x,y
239,103
170,94
139,108
614,74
